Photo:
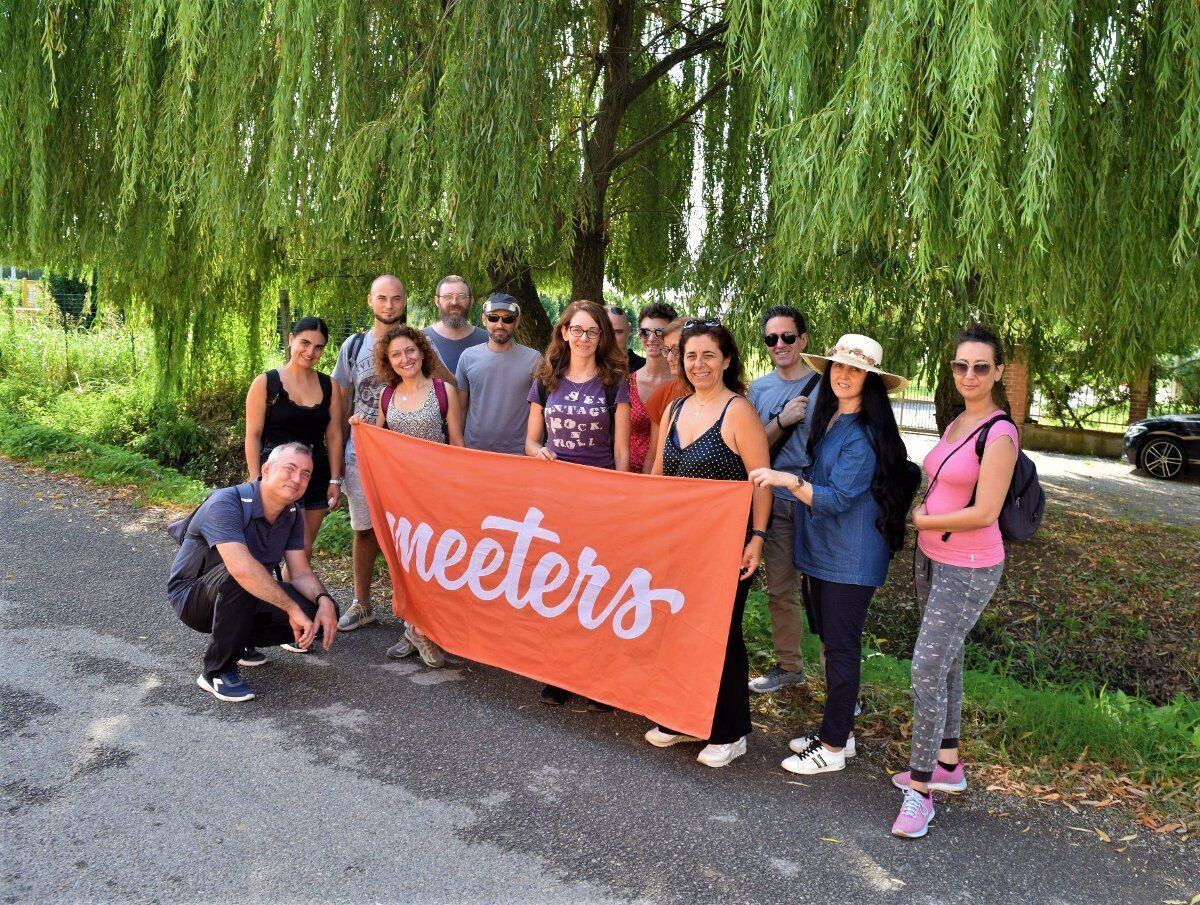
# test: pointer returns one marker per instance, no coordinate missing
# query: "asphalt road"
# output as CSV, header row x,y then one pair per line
x,y
352,778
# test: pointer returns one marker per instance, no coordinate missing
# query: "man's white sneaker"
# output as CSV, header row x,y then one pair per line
x,y
660,739
431,654
816,758
799,745
356,616
720,755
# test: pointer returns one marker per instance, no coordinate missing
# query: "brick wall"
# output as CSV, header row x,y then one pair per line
x,y
1139,397
1016,382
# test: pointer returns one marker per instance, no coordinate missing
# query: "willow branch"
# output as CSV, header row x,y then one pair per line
x,y
642,143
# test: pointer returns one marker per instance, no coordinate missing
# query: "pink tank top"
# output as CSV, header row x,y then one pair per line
x,y
639,428
978,548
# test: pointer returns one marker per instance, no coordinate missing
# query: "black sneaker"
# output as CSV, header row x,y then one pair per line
x,y
252,657
598,707
228,686
553,695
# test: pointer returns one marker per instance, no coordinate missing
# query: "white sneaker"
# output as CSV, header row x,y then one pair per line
x,y
799,744
431,654
816,758
660,739
720,755
358,615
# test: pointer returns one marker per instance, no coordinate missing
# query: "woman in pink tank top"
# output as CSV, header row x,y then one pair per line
x,y
959,560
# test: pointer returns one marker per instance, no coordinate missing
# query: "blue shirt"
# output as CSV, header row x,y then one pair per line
x,y
769,394
836,538
220,520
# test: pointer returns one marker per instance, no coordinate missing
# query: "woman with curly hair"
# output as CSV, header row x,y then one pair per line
x,y
579,408
417,404
852,504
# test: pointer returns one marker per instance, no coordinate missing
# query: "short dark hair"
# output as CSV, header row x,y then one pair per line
x,y
783,311
617,309
725,342
979,333
311,323
658,311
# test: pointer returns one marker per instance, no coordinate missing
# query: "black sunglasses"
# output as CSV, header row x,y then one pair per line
x,y
697,324
772,338
496,318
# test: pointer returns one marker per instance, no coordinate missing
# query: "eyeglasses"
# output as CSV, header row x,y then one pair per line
x,y
461,297
670,351
981,368
496,318
578,332
696,324
772,338
647,332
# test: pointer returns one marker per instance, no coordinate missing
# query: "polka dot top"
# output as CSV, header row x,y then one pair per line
x,y
708,456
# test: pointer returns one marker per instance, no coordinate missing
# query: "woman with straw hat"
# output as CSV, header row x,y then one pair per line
x,y
850,516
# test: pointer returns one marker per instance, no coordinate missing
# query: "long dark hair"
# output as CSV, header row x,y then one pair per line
x,y
611,362
732,376
892,485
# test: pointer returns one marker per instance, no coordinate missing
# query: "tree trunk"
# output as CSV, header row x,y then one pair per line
x,y
517,280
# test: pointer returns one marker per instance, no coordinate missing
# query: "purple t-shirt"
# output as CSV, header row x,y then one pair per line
x,y
578,422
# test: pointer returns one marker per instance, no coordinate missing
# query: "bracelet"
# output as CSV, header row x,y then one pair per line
x,y
337,481
317,599
758,533
779,421
799,483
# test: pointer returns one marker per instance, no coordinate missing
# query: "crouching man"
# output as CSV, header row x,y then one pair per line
x,y
221,581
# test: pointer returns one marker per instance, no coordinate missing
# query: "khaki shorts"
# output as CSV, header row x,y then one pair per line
x,y
356,500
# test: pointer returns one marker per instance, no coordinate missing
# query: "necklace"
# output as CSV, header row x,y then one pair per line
x,y
699,406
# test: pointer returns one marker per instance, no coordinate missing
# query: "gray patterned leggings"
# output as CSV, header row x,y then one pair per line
x,y
951,599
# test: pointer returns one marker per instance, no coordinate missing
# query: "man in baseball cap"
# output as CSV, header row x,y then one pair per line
x,y
494,380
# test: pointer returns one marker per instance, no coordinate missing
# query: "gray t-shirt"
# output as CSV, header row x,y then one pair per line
x,y
360,381
450,350
768,395
499,382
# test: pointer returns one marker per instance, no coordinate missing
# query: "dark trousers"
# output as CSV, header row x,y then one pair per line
x,y
836,614
731,718
219,606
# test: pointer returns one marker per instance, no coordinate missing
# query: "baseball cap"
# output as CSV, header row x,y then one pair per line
x,y
501,301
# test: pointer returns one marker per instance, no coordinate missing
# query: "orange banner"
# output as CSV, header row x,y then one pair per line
x,y
618,587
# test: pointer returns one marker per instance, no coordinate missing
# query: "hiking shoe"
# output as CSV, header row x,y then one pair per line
x,y
597,707
660,739
552,694
721,755
252,657
431,654
816,758
799,745
401,649
228,686
952,781
915,813
293,647
776,678
356,616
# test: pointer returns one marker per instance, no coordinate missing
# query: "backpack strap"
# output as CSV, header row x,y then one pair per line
x,y
981,440
356,343
439,388
385,401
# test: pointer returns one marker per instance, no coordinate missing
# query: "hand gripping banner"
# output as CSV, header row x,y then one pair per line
x,y
618,587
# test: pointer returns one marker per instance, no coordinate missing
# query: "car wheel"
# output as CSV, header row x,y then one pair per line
x,y
1162,457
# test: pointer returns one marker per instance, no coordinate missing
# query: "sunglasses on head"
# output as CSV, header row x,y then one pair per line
x,y
772,338
647,332
981,368
496,318
697,324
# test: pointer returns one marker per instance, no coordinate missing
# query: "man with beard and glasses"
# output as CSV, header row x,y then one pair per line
x,y
494,380
453,333
360,388
782,398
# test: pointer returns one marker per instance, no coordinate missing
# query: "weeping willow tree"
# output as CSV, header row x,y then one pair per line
x,y
1033,162
205,155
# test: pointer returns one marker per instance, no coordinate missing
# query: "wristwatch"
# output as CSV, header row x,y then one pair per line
x,y
799,483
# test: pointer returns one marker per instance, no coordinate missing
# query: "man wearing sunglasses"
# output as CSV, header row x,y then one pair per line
x,y
782,399
453,333
494,380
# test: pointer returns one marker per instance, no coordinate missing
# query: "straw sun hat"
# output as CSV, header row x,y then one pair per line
x,y
859,352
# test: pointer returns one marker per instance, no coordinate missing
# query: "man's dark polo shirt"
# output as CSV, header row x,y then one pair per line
x,y
219,521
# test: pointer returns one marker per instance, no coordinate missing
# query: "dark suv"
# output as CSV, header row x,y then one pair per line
x,y
1164,447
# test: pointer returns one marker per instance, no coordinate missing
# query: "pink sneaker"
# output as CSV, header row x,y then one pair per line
x,y
953,781
915,813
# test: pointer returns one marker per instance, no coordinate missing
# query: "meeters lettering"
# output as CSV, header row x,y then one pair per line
x,y
631,607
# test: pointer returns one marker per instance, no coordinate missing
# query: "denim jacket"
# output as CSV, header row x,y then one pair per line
x,y
836,538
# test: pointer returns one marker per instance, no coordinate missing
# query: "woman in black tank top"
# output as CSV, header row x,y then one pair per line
x,y
715,433
296,404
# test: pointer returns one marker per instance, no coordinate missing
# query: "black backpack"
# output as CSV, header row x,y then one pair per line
x,y
203,559
1025,502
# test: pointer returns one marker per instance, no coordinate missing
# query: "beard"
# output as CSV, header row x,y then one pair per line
x,y
398,319
454,321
